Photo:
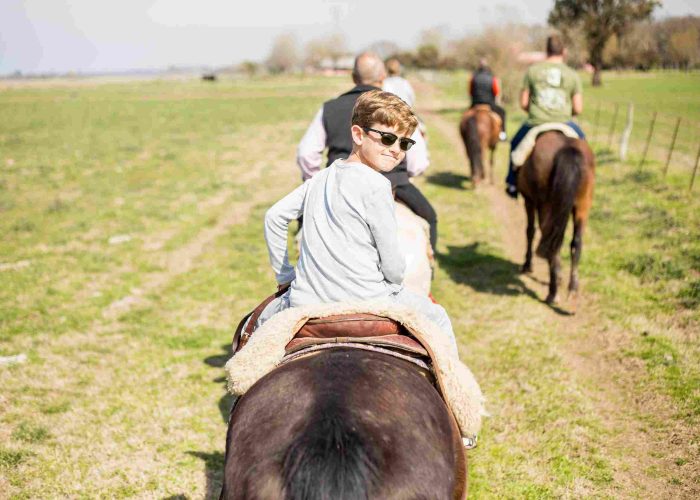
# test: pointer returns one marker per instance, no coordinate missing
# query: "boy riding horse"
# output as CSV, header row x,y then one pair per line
x,y
551,92
349,247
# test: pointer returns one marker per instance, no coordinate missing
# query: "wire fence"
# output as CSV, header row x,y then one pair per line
x,y
647,136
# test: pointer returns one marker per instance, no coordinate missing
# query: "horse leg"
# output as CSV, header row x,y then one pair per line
x,y
554,278
530,232
493,150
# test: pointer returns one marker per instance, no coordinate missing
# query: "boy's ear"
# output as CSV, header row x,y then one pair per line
x,y
356,132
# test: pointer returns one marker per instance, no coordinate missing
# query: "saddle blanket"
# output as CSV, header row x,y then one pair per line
x,y
266,350
519,155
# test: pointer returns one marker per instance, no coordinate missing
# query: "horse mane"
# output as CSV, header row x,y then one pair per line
x,y
567,171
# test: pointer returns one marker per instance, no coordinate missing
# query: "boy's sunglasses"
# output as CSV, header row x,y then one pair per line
x,y
388,139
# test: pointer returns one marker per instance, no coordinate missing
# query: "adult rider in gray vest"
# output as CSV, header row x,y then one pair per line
x,y
484,88
330,130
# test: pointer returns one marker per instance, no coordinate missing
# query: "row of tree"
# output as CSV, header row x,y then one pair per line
x,y
602,33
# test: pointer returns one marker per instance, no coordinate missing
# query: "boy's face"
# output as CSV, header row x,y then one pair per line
x,y
372,152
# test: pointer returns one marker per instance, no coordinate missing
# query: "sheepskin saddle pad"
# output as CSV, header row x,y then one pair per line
x,y
521,153
266,350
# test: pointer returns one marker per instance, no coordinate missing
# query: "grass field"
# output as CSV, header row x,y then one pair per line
x,y
131,245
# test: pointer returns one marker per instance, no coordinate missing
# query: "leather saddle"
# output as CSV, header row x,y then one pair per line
x,y
360,328
481,108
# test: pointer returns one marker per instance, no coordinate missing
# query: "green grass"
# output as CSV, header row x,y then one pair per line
x,y
133,403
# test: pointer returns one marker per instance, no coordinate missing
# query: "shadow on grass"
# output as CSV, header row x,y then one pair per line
x,y
218,361
488,273
473,265
448,179
214,464
450,109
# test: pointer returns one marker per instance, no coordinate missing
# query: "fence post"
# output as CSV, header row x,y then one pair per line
x,y
625,138
646,146
695,169
595,124
673,144
612,126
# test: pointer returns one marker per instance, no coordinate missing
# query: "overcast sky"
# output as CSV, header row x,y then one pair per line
x,y
112,35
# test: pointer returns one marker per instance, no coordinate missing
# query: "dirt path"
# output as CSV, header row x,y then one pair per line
x,y
644,436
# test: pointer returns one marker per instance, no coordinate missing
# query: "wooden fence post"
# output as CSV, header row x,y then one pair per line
x,y
695,169
612,126
673,144
646,146
625,138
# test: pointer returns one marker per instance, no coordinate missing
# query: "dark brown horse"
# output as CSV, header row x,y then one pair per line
x,y
557,181
479,128
343,424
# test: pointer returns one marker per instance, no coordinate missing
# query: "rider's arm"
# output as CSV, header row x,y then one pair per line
x,y
525,92
417,159
381,219
577,97
577,104
310,149
525,99
470,87
277,220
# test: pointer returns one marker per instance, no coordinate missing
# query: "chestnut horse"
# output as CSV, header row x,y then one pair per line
x,y
557,180
479,129
343,424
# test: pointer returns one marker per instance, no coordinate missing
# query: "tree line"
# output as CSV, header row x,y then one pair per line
x,y
624,38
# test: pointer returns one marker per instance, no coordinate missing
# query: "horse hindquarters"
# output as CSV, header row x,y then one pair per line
x,y
472,142
343,424
564,181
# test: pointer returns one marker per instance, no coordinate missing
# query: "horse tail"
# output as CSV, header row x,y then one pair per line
x,y
470,134
329,459
565,179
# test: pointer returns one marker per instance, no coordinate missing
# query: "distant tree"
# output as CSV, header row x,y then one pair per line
x,y
331,47
284,56
250,68
683,47
427,56
600,20
384,49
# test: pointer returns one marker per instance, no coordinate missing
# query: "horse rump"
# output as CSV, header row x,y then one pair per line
x,y
470,135
564,182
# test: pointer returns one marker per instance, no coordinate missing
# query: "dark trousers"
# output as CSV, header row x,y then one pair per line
x,y
520,135
414,199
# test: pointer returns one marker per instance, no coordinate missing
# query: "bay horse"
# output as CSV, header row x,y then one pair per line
x,y
479,129
557,181
343,424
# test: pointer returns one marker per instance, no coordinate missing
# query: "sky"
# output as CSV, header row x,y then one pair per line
x,y
90,36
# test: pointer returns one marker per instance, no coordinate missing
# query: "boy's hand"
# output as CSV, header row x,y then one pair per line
x,y
283,287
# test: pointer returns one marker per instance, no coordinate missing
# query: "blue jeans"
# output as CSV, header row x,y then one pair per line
x,y
520,135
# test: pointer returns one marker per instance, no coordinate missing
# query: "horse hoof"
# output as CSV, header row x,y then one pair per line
x,y
572,298
551,300
526,269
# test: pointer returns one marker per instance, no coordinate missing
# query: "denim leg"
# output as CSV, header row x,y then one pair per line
x,y
277,305
434,312
517,138
577,128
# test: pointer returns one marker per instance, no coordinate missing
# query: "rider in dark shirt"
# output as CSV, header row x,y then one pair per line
x,y
483,89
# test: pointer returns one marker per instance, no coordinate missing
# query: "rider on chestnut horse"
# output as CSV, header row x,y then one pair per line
x,y
551,93
484,88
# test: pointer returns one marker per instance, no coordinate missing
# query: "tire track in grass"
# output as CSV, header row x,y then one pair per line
x,y
635,421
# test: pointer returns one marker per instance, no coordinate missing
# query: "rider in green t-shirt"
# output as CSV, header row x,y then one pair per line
x,y
551,92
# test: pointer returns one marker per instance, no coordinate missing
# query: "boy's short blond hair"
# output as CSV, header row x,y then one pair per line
x,y
377,106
